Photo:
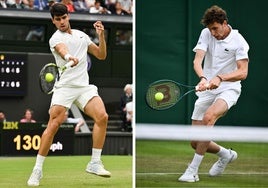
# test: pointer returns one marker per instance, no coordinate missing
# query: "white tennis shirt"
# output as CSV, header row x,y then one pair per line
x,y
77,44
221,55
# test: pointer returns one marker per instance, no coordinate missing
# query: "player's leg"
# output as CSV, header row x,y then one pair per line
x,y
213,112
62,98
92,105
201,105
220,107
56,118
96,110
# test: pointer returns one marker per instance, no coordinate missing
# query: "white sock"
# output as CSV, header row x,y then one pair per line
x,y
96,155
196,161
39,162
223,152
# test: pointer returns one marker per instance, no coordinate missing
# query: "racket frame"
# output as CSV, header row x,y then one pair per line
x,y
59,72
150,96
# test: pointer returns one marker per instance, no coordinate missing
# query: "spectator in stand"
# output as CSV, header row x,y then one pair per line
x,y
40,4
131,7
17,5
24,3
30,5
3,4
126,5
2,117
98,9
80,6
129,115
127,97
119,10
69,4
36,33
28,117
110,5
50,4
90,3
78,121
10,2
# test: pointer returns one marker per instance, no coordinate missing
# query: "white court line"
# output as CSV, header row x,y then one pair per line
x,y
172,173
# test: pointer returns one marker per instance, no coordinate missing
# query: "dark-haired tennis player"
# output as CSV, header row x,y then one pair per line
x,y
69,44
225,55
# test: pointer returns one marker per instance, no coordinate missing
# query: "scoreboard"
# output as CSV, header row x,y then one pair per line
x,y
23,139
13,74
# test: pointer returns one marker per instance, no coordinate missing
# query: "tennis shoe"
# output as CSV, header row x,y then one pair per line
x,y
35,177
221,164
97,168
190,175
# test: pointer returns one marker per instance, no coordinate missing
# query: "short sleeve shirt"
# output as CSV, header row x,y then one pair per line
x,y
77,44
221,55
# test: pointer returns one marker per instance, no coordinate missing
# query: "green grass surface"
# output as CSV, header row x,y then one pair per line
x,y
67,171
160,164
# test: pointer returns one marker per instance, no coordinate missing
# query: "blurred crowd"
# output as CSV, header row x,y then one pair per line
x,y
28,118
116,7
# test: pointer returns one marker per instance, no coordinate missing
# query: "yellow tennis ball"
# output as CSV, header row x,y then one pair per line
x,y
159,96
49,77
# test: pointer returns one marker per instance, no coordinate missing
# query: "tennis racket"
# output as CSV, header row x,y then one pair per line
x,y
173,92
45,86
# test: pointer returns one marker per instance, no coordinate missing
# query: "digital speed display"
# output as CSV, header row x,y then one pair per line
x,y
18,139
13,74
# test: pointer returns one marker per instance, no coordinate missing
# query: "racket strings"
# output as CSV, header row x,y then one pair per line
x,y
47,87
170,91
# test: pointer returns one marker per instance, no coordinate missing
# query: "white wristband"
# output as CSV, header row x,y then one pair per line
x,y
67,57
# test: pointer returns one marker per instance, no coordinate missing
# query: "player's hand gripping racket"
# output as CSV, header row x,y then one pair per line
x,y
54,72
164,94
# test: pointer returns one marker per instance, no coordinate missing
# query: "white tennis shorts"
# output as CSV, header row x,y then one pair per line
x,y
66,96
207,98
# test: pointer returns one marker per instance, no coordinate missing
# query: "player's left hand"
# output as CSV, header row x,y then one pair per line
x,y
99,27
214,83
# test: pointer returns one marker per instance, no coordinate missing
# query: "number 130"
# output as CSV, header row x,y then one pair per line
x,y
30,142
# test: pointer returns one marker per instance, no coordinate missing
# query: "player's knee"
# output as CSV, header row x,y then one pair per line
x,y
209,118
102,118
193,144
51,130
53,125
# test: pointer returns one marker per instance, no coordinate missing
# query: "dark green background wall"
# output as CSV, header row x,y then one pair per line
x,y
167,31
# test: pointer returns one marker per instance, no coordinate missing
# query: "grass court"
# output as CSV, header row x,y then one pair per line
x,y
67,171
160,164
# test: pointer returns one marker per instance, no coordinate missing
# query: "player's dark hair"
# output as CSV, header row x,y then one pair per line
x,y
214,14
58,9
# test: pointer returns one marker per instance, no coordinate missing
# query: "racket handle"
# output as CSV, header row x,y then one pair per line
x,y
197,87
69,64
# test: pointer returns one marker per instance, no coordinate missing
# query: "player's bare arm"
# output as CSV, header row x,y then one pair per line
x,y
99,51
63,51
199,56
239,74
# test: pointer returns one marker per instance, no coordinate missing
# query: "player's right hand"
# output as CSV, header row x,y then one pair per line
x,y
75,60
202,85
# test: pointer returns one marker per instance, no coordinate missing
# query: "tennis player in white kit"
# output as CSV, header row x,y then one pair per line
x,y
69,44
225,55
